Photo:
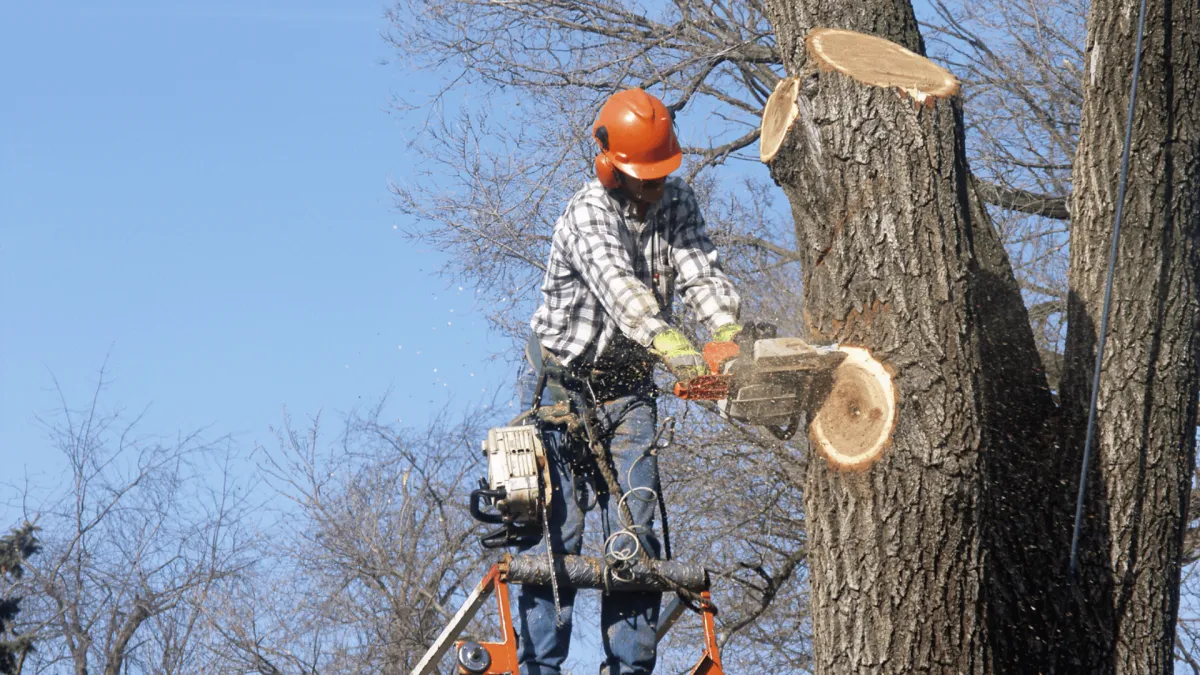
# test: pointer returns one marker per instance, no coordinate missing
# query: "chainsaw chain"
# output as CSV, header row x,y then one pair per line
x,y
550,559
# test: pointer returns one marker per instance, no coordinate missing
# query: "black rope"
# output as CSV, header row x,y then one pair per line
x,y
1072,565
1108,285
607,468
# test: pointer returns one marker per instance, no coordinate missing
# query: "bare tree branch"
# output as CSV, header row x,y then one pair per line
x,y
1024,201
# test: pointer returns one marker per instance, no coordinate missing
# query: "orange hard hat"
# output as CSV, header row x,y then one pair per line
x,y
636,133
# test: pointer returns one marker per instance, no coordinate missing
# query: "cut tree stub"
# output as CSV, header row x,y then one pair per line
x,y
879,62
854,424
778,115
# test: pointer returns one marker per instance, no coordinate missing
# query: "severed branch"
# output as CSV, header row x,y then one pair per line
x,y
779,114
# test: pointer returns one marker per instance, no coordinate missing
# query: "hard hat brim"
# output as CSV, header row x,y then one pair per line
x,y
652,170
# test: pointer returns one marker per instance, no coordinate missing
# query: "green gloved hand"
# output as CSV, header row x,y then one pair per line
x,y
727,332
677,352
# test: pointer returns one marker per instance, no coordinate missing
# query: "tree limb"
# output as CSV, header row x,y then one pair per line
x,y
1048,206
756,242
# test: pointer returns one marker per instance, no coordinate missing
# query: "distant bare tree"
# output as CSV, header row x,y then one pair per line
x,y
372,550
1022,64
136,540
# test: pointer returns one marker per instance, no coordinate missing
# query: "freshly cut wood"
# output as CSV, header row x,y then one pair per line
x,y
883,63
854,425
781,110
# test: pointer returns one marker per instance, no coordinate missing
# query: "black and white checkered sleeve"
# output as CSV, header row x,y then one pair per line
x,y
564,324
705,287
605,265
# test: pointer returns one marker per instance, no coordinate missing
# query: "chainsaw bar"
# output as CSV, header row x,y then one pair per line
x,y
550,559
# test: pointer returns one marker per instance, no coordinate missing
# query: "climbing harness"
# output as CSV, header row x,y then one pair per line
x,y
504,498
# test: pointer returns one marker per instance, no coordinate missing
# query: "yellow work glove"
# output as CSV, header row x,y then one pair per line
x,y
726,333
677,352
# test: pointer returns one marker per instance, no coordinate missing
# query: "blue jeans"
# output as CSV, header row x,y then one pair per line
x,y
627,620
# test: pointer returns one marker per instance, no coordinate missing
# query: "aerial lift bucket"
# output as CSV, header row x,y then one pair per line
x,y
500,657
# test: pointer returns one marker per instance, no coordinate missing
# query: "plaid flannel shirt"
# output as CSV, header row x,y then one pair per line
x,y
610,273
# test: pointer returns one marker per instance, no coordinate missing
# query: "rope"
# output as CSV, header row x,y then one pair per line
x,y
1108,286
603,464
620,560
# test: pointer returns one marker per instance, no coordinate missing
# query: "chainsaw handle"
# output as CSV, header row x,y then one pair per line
x,y
716,354
476,506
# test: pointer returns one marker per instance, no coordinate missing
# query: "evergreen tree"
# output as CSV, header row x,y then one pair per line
x,y
14,550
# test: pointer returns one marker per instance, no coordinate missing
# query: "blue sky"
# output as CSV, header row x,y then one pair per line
x,y
198,193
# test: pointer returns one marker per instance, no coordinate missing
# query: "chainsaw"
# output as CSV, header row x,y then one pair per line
x,y
843,393
845,396
516,495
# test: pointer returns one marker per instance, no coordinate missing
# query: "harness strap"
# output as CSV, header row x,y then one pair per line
x,y
550,372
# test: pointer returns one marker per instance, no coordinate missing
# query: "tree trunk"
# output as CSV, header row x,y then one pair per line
x,y
949,554
900,258
1123,619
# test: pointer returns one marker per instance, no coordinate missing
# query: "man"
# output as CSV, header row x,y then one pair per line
x,y
627,242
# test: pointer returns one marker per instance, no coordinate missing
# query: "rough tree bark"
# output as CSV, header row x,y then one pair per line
x,y
949,554
898,553
1145,441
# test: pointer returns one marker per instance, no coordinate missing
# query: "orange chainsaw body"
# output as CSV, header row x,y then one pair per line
x,y
710,387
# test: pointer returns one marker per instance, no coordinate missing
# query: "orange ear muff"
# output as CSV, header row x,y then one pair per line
x,y
606,172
